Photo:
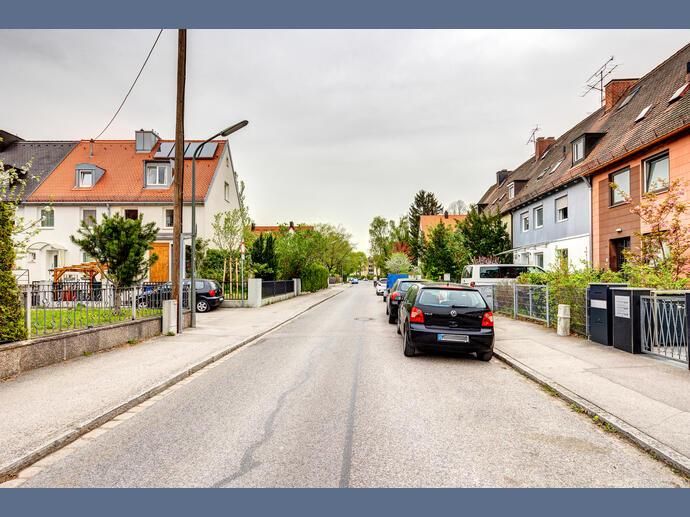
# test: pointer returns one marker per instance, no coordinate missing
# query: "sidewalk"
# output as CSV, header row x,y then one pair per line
x,y
45,408
643,397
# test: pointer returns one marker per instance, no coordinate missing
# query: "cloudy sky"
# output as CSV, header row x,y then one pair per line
x,y
344,125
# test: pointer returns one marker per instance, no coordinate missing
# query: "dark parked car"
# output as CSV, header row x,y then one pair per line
x,y
438,317
397,293
209,295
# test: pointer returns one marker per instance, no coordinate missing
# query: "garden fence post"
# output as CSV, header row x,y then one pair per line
x,y
134,303
515,301
27,310
548,315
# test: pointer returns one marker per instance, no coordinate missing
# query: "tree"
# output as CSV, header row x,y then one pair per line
x,y
263,257
121,245
297,250
400,236
354,263
444,253
380,241
228,232
485,235
425,203
335,246
398,263
457,207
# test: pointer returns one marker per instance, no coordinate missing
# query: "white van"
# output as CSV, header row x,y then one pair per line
x,y
478,274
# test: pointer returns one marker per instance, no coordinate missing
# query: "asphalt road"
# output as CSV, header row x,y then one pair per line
x,y
329,400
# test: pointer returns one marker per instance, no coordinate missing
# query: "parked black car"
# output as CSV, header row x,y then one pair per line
x,y
438,317
209,295
397,293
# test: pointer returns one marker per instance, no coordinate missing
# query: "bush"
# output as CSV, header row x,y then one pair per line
x,y
11,319
314,278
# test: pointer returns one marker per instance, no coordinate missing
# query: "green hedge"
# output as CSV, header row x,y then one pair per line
x,y
314,277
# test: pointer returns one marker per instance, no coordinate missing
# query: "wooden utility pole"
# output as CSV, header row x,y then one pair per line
x,y
178,182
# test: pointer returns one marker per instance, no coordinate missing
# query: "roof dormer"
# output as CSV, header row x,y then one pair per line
x,y
86,175
145,140
583,145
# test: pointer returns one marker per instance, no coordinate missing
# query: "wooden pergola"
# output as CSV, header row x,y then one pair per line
x,y
89,269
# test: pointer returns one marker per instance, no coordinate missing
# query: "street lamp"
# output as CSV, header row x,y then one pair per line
x,y
192,287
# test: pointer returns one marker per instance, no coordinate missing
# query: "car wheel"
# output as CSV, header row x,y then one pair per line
x,y
141,304
387,311
202,306
397,328
408,347
485,356
391,317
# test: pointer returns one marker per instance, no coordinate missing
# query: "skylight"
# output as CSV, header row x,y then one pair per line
x,y
556,166
629,97
678,93
643,113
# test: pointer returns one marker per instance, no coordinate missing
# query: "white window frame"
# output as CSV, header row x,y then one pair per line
x,y
95,218
511,190
524,218
612,191
536,261
652,159
49,209
158,167
165,217
559,219
536,223
226,191
579,144
80,177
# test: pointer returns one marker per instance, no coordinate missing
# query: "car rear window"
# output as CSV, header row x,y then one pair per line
x,y
451,297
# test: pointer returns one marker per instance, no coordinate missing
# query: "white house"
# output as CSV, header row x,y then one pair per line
x,y
132,178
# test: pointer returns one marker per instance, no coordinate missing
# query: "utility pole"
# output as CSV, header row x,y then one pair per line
x,y
178,242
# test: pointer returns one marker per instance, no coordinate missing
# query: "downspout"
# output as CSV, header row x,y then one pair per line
x,y
590,251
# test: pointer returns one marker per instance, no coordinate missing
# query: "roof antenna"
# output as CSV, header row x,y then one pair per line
x,y
596,80
533,135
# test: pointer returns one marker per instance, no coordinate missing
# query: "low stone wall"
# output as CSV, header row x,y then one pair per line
x,y
23,356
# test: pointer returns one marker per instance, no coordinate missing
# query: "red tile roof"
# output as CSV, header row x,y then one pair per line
x,y
427,222
123,179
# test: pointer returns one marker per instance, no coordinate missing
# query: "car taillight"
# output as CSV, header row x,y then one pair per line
x,y
395,295
488,319
416,316
212,292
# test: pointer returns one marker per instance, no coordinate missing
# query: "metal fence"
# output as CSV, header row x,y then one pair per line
x,y
270,288
538,303
235,290
50,307
663,326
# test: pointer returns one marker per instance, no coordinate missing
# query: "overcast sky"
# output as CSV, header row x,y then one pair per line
x,y
344,125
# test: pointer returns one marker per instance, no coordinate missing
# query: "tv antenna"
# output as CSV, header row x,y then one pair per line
x,y
533,135
596,80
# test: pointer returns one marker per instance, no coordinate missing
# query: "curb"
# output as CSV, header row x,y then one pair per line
x,y
10,470
642,440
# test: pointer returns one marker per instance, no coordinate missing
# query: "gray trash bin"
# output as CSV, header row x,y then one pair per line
x,y
626,318
601,312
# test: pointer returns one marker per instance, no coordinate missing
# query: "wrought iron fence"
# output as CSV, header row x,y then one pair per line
x,y
663,326
63,306
235,290
270,288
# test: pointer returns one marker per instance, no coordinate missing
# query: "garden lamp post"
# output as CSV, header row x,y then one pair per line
x,y
192,287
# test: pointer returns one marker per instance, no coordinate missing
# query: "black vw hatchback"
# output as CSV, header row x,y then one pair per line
x,y
437,317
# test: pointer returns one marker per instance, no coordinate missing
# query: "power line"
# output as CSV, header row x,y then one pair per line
x,y
133,84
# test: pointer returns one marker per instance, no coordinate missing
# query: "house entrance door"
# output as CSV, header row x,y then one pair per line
x,y
160,270
618,248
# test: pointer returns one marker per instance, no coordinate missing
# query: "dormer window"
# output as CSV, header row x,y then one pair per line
x,y
158,175
85,178
511,191
579,150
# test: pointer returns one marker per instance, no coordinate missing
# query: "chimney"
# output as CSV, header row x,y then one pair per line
x,y
445,214
501,176
145,140
615,89
541,144
292,225
687,72
91,148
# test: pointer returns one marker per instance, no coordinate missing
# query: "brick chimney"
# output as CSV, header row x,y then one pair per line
x,y
687,72
501,176
615,89
541,144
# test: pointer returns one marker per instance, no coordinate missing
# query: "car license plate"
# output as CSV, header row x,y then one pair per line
x,y
453,338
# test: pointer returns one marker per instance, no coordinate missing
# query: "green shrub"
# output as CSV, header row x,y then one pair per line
x,y
11,319
314,278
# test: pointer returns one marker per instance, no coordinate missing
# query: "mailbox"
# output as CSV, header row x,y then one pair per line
x,y
601,312
626,318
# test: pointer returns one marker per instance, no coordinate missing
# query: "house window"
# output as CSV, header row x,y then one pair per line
x,y
539,217
47,217
524,221
656,173
579,150
88,216
562,208
562,255
32,256
131,213
169,217
539,259
85,178
85,257
621,180
157,175
511,191
227,191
